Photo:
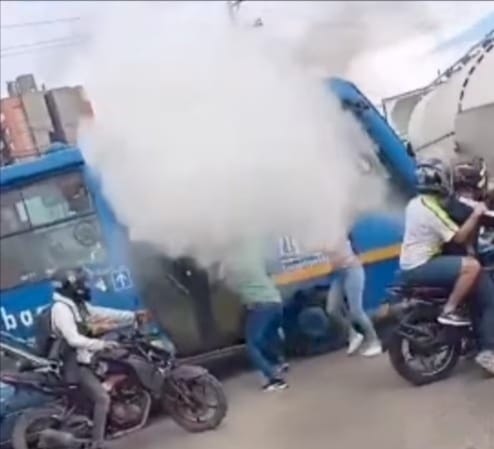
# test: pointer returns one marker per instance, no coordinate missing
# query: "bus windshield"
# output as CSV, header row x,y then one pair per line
x,y
47,225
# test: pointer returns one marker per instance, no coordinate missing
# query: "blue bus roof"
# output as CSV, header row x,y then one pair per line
x,y
392,151
49,162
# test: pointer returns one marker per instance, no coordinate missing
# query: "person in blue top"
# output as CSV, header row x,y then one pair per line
x,y
350,284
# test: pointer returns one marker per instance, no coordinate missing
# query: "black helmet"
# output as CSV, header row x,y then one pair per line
x,y
72,283
471,174
434,177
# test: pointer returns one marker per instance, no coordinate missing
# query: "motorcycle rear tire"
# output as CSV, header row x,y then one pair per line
x,y
417,378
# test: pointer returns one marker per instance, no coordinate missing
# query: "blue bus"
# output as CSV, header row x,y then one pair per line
x,y
54,215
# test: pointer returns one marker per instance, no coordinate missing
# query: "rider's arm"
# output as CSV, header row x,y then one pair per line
x,y
120,318
468,229
486,219
64,324
471,225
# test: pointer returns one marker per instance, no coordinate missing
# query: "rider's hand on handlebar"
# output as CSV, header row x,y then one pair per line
x,y
101,327
143,317
480,209
111,345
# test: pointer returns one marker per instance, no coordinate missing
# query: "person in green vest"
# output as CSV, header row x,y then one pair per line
x,y
246,273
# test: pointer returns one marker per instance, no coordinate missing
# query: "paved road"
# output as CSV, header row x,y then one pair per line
x,y
344,403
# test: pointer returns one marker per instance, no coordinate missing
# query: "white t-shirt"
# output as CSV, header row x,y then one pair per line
x,y
427,228
65,317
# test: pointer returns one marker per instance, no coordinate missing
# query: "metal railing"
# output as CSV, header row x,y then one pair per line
x,y
472,52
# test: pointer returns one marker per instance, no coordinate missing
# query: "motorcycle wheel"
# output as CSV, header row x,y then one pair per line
x,y
189,405
28,426
400,348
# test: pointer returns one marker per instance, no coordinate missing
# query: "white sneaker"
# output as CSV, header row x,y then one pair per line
x,y
373,350
355,342
275,385
486,360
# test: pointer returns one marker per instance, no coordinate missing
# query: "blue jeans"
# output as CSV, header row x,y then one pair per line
x,y
443,272
350,283
264,345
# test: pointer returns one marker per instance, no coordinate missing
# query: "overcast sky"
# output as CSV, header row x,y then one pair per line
x,y
442,21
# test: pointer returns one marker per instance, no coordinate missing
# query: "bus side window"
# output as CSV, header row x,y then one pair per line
x,y
12,213
70,243
56,199
17,261
47,225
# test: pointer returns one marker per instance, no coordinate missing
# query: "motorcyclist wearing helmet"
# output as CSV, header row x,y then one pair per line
x,y
72,324
470,183
428,227
471,178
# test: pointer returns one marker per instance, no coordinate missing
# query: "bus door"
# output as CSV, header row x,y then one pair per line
x,y
219,311
197,312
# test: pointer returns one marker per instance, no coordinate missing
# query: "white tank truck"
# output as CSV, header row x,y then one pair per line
x,y
455,113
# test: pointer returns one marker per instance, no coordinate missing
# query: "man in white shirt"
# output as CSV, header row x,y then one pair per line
x,y
72,322
427,228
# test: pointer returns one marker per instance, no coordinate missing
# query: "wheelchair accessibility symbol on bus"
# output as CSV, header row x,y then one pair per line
x,y
121,279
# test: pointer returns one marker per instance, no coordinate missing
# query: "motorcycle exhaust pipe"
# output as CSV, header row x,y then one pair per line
x,y
393,310
56,439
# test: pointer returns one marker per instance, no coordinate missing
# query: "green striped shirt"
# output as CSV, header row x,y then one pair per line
x,y
427,228
245,272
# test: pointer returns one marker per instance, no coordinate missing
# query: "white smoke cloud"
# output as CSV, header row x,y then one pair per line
x,y
384,47
206,133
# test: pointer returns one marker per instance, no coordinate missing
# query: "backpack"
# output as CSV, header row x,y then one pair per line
x,y
43,333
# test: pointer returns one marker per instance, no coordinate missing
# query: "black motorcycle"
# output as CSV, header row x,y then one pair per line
x,y
421,349
139,374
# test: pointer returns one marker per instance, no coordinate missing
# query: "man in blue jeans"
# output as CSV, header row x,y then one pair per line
x,y
245,272
428,228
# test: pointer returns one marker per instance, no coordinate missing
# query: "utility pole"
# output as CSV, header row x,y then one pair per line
x,y
233,11
233,8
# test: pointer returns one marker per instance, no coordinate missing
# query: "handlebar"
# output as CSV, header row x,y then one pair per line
x,y
123,345
487,220
129,338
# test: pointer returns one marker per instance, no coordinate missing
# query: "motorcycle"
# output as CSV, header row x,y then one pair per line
x,y
422,350
142,372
